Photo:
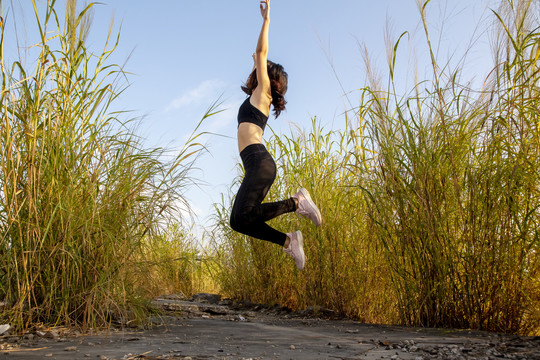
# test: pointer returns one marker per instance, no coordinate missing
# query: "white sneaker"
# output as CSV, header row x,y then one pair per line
x,y
296,249
306,207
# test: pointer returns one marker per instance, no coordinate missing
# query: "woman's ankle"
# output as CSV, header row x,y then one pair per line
x,y
287,242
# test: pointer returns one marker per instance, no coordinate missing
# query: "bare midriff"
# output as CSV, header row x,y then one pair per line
x,y
248,134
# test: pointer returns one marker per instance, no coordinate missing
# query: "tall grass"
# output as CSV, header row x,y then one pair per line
x,y
455,191
82,199
430,200
343,266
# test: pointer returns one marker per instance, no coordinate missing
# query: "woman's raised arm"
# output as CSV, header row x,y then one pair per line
x,y
261,56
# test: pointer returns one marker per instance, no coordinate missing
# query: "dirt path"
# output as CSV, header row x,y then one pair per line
x,y
202,330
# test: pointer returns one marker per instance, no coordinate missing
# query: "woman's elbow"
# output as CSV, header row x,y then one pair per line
x,y
261,51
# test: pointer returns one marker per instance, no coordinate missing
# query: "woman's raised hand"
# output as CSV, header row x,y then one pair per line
x,y
265,9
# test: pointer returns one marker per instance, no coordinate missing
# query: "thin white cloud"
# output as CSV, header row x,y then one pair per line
x,y
225,118
206,90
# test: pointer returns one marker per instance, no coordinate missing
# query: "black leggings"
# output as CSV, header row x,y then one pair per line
x,y
249,215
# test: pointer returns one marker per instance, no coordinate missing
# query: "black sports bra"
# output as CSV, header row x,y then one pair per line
x,y
250,114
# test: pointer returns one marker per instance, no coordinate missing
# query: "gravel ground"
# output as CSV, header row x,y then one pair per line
x,y
207,328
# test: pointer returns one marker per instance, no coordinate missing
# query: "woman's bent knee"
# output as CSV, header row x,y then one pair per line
x,y
235,224
239,224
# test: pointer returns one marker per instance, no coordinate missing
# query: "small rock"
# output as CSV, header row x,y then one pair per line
x,y
413,349
51,334
292,347
4,328
71,348
48,355
338,346
178,296
206,298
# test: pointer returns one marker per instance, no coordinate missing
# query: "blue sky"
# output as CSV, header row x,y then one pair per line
x,y
183,55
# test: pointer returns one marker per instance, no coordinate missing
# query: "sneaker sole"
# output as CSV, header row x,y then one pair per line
x,y
300,239
314,207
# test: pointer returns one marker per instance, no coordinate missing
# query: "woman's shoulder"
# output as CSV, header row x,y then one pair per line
x,y
261,101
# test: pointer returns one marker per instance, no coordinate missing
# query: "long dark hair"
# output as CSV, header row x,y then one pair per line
x,y
278,85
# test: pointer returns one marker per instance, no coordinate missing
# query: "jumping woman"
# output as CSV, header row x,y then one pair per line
x,y
266,85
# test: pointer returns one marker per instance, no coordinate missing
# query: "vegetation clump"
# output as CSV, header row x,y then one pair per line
x,y
89,216
430,201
